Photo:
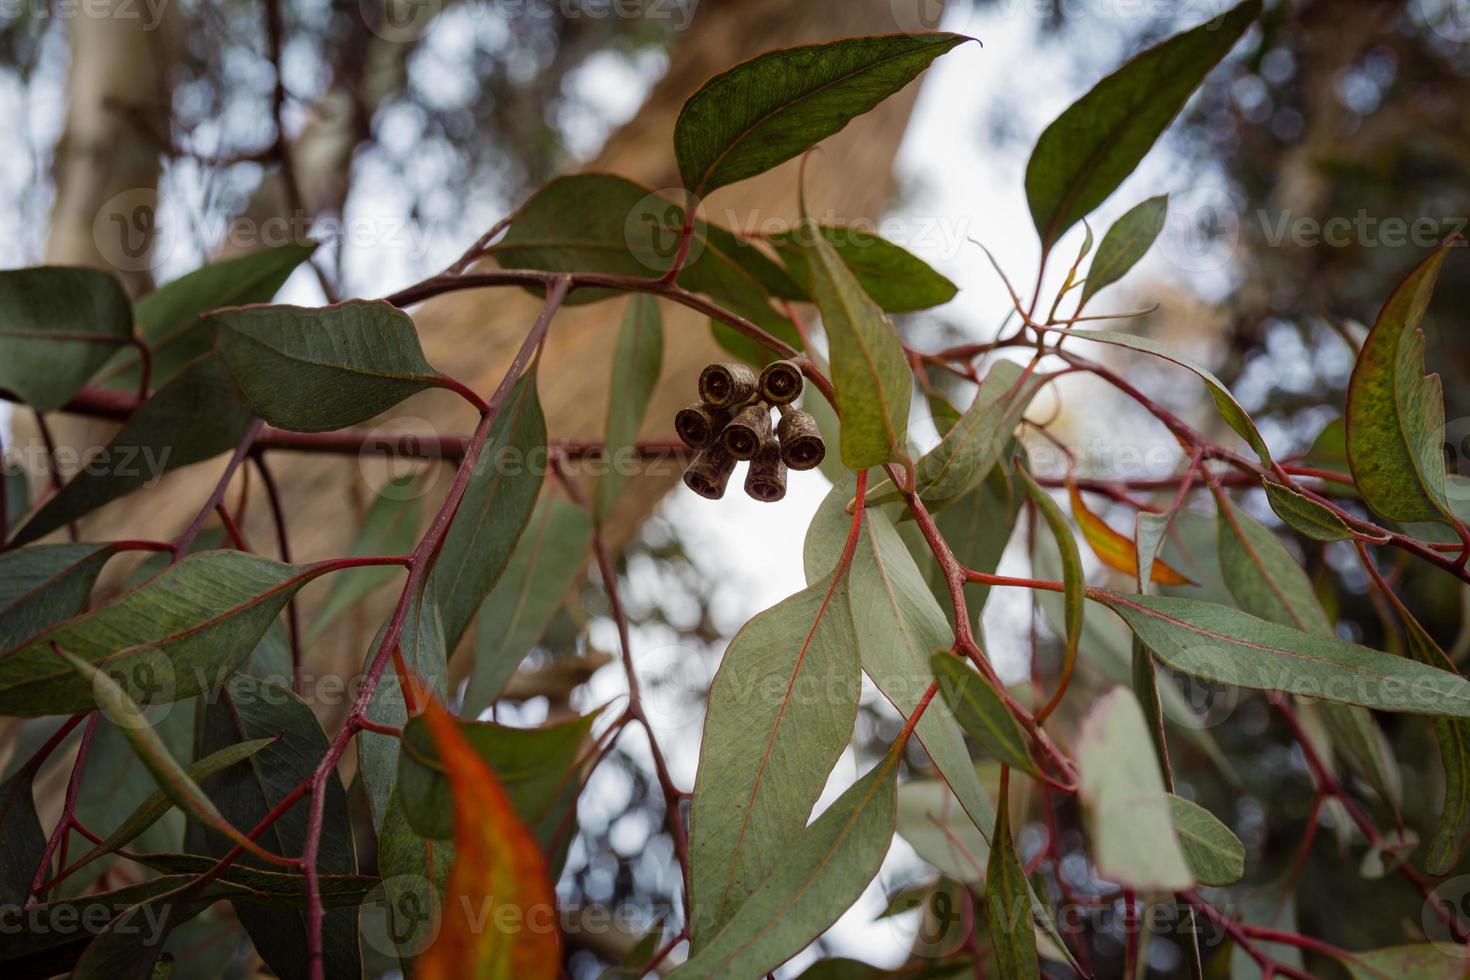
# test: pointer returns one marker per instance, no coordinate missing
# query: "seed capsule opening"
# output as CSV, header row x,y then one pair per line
x,y
698,425
780,382
802,447
766,480
727,384
710,473
746,432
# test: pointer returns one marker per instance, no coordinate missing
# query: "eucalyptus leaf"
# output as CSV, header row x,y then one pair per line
x,y
636,363
170,318
541,572
781,711
58,326
896,279
1305,515
1395,411
1124,244
314,370
822,871
1215,856
192,418
869,368
178,634
1008,903
1082,157
1133,837
769,109
1231,647
44,584
497,504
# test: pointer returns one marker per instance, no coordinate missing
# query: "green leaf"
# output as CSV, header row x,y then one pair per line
x,y
1395,412
44,584
248,708
1228,646
1089,149
1216,857
274,887
21,838
972,446
896,625
123,712
981,712
636,363
422,645
536,582
781,711
1008,903
192,418
822,870
414,872
37,307
159,803
1074,579
314,370
178,634
170,317
1235,416
1133,837
1444,848
1267,582
604,224
1426,961
390,527
1263,576
896,279
769,109
131,945
1305,515
497,504
869,368
1124,244
536,768
939,830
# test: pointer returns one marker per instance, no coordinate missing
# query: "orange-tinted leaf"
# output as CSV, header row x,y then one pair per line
x,y
499,909
1116,550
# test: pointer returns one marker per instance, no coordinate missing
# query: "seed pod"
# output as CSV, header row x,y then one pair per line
x,y
709,472
699,424
727,385
766,479
780,382
746,432
802,447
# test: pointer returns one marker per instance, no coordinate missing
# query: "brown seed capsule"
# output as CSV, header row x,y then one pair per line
x,y
699,424
709,472
780,382
746,432
802,447
766,479
727,385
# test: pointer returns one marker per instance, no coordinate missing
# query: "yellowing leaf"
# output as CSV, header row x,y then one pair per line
x,y
1115,550
499,909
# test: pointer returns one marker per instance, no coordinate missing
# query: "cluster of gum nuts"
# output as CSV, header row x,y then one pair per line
x,y
732,422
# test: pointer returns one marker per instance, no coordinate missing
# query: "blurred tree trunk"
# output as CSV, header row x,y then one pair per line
x,y
117,130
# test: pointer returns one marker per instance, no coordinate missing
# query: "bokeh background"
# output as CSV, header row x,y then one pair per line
x,y
1328,154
